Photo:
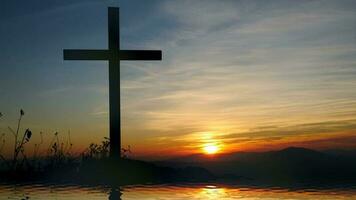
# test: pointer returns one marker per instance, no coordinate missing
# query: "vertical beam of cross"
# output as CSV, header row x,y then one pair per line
x,y
114,82
113,55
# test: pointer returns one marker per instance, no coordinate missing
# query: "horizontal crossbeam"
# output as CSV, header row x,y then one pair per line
x,y
140,55
80,54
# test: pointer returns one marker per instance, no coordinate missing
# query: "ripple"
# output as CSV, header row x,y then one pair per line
x,y
69,191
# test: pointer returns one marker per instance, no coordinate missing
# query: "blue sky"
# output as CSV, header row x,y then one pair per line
x,y
234,73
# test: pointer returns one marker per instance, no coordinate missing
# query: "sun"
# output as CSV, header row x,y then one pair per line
x,y
211,149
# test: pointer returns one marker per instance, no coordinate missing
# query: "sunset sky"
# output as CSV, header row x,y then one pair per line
x,y
238,75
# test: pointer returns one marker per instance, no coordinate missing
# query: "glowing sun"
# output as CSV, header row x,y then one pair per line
x,y
210,149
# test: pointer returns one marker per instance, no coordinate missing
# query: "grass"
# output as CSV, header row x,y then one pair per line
x,y
57,157
57,153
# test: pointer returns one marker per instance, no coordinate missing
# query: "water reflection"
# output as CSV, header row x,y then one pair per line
x,y
115,194
212,192
170,192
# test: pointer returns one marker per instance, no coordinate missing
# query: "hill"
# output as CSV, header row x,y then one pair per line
x,y
292,164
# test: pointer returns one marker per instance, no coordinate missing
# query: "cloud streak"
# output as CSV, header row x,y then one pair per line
x,y
234,66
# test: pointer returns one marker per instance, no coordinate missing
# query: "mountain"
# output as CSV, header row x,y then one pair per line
x,y
341,152
292,164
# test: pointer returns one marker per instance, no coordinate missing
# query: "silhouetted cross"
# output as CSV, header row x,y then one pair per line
x,y
113,55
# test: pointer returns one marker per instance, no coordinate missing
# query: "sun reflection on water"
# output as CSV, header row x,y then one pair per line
x,y
212,192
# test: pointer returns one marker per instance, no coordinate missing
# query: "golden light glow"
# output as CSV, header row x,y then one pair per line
x,y
211,149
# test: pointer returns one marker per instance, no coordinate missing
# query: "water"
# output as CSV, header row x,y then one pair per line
x,y
169,192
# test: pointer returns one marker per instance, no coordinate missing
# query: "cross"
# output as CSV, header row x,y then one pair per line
x,y
113,55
